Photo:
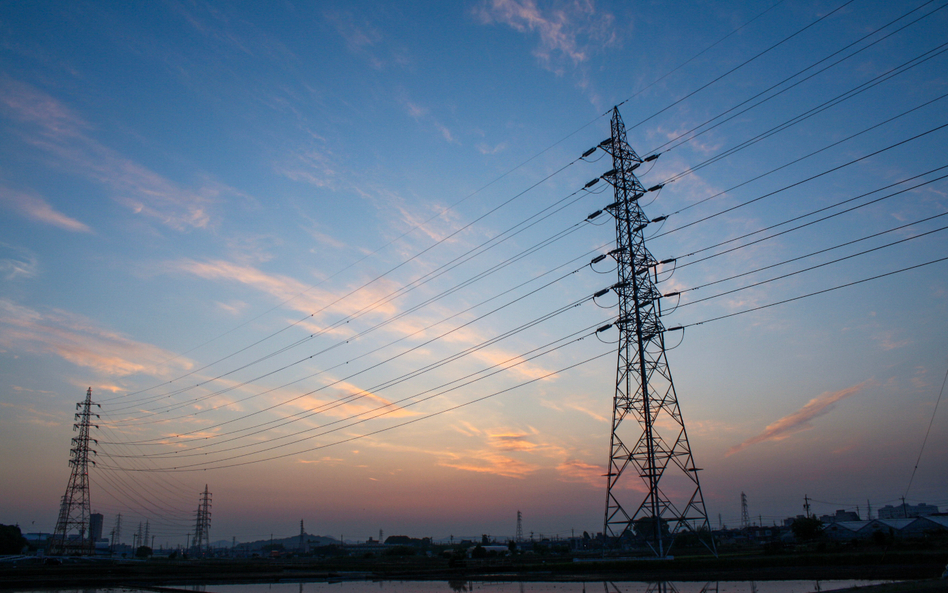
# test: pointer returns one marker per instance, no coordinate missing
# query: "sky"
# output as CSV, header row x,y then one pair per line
x,y
332,259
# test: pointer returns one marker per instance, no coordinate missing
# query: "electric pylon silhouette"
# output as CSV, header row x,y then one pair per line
x,y
648,442
72,535
202,528
745,516
519,537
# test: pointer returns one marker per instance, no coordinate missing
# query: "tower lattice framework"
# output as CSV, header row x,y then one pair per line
x,y
653,494
202,528
72,535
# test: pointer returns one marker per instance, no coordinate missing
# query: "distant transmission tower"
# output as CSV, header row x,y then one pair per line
x,y
202,527
117,531
519,526
745,516
648,442
72,535
302,549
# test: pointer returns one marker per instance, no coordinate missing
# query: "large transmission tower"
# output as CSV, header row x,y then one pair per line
x,y
72,535
649,443
202,528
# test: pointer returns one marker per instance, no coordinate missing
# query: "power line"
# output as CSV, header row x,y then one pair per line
x,y
811,268
301,415
679,140
396,405
399,425
808,155
784,262
901,69
463,258
812,222
344,363
557,236
471,195
927,432
741,65
380,276
797,298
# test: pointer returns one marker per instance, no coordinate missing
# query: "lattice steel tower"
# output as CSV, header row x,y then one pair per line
x,y
745,516
649,443
202,527
72,535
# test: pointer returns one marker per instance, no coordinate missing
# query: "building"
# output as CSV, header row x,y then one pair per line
x,y
96,520
904,511
887,529
841,516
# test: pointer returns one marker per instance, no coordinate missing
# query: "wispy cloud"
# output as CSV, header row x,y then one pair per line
x,y
37,209
365,40
487,149
50,126
298,295
566,29
30,415
490,462
312,165
575,470
79,341
801,419
423,115
17,262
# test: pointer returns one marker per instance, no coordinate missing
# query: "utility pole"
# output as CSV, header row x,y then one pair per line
x,y
72,535
806,505
648,443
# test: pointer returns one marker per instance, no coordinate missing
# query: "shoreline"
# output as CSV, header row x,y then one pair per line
x,y
923,567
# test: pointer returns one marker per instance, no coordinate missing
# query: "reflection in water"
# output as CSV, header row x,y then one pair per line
x,y
710,587
716,586
464,586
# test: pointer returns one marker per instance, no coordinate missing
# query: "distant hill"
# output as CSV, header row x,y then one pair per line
x,y
289,543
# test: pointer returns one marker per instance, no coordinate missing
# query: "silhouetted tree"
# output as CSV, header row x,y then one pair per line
x,y
807,529
11,539
644,527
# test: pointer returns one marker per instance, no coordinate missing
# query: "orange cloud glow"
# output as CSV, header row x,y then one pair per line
x,y
78,341
800,420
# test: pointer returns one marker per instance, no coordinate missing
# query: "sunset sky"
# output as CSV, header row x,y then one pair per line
x,y
330,258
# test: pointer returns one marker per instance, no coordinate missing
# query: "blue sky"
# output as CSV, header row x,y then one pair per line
x,y
188,187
